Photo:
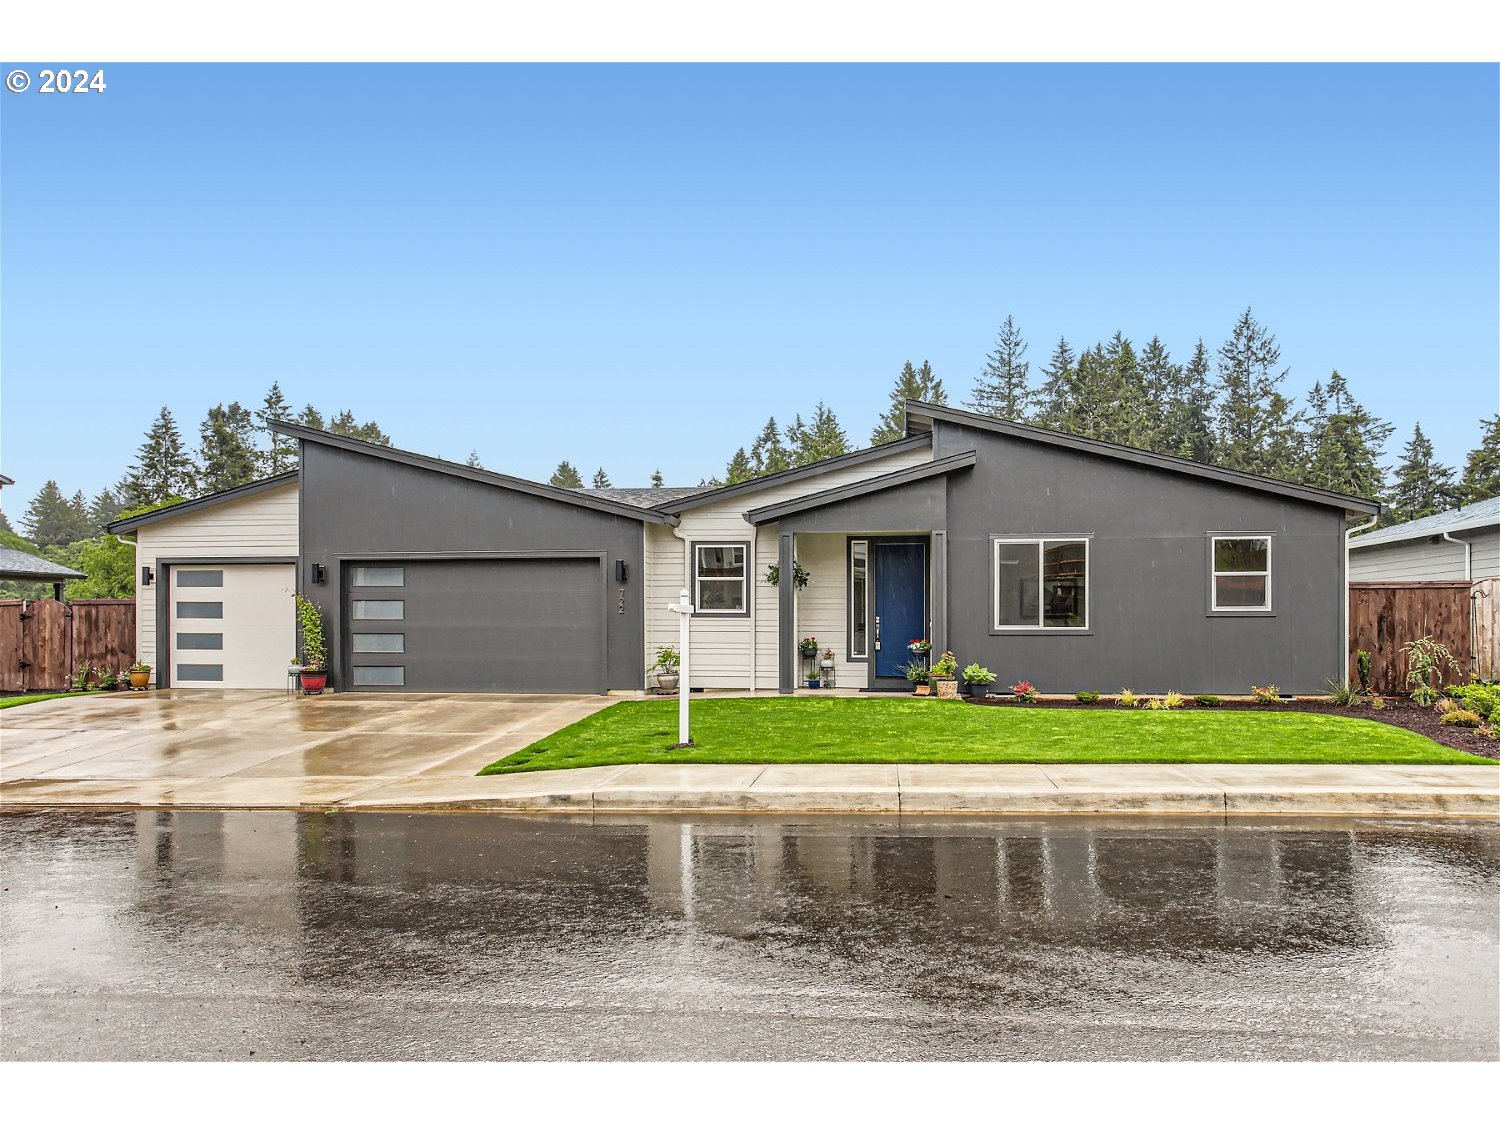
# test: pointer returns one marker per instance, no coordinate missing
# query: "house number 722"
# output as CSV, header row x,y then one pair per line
x,y
622,599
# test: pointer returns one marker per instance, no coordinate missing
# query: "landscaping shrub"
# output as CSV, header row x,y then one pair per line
x,y
1363,664
1267,695
1025,691
1426,660
1207,700
1342,694
1086,696
1127,698
1458,717
1482,699
1169,702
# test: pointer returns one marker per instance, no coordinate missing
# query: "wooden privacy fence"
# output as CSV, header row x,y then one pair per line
x,y
42,642
1385,615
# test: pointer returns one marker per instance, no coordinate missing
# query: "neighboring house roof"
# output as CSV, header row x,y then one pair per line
x,y
703,497
920,415
172,511
642,497
943,465
29,568
1481,513
577,497
4,480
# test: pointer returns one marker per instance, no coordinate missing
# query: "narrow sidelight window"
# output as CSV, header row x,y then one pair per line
x,y
719,578
379,611
1242,572
1040,584
859,599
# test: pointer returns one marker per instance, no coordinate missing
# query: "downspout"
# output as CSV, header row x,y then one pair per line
x,y
1469,578
1349,535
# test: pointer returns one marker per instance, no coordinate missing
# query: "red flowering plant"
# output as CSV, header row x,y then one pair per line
x,y
1025,691
808,646
919,645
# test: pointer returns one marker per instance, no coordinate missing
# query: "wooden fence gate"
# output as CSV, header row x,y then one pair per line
x,y
1385,615
42,642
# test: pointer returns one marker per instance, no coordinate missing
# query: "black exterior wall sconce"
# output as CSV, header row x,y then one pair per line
x,y
319,574
147,574
621,570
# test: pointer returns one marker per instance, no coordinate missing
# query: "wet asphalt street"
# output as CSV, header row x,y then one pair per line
x,y
180,935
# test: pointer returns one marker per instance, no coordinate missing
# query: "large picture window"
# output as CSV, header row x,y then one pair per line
x,y
1040,584
719,578
1241,572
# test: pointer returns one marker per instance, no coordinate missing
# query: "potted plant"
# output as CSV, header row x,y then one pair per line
x,y
828,658
800,576
140,676
979,679
313,674
945,676
667,668
808,646
919,646
917,674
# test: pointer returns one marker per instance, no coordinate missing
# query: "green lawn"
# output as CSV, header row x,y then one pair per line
x,y
18,700
924,730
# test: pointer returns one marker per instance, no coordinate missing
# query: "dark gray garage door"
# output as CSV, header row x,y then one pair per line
x,y
526,625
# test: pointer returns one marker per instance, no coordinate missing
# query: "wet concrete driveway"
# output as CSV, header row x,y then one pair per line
x,y
266,935
261,749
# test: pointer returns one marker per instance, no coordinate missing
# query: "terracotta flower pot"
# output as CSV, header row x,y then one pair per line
x,y
922,689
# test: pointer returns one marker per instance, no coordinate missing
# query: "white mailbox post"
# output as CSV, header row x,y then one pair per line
x,y
684,610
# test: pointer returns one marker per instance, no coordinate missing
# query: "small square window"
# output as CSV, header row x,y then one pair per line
x,y
719,578
1241,572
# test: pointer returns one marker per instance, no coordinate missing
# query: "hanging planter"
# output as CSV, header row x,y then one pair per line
x,y
800,577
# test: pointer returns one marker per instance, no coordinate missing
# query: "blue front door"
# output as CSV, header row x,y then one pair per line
x,y
900,603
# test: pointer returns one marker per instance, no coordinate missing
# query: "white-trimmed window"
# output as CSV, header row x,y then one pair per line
x,y
1039,584
1241,572
719,578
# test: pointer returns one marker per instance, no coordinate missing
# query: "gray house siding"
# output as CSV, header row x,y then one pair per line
x,y
920,506
1486,551
357,507
1150,627
1415,560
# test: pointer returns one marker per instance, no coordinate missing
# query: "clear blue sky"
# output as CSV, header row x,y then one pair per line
x,y
634,266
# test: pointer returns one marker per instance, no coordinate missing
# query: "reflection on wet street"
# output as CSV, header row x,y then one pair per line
x,y
356,936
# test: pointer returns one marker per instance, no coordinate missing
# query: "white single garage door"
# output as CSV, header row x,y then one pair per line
x,y
232,626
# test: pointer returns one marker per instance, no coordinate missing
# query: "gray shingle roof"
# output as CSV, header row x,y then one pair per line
x,y
29,568
642,497
1481,513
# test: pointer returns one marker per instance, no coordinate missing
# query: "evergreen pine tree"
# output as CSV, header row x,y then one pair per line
x,y
344,424
1481,478
473,460
822,439
1126,413
1256,428
739,468
162,469
1161,383
565,476
601,479
1345,442
103,509
52,520
1422,485
1193,414
657,480
916,384
311,417
225,460
767,453
1054,397
1003,388
280,453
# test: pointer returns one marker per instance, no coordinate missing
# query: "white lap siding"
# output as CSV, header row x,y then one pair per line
x,y
263,525
723,654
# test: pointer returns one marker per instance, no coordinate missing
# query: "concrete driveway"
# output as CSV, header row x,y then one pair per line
x,y
261,749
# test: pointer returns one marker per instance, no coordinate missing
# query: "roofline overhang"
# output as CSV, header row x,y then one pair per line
x,y
786,476
772,513
1233,477
468,472
213,499
61,574
1385,538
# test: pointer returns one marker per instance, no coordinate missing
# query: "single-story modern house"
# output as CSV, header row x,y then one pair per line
x,y
1070,562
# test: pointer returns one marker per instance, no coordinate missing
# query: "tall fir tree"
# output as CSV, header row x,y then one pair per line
x,y
279,454
1256,427
104,508
601,479
1127,414
1003,388
1161,383
53,520
1422,485
1054,396
162,470
657,480
311,417
768,454
739,468
565,476
917,384
1192,418
1481,478
344,424
1345,442
225,460
473,461
818,440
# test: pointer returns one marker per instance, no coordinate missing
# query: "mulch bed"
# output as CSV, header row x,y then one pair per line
x,y
1397,712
